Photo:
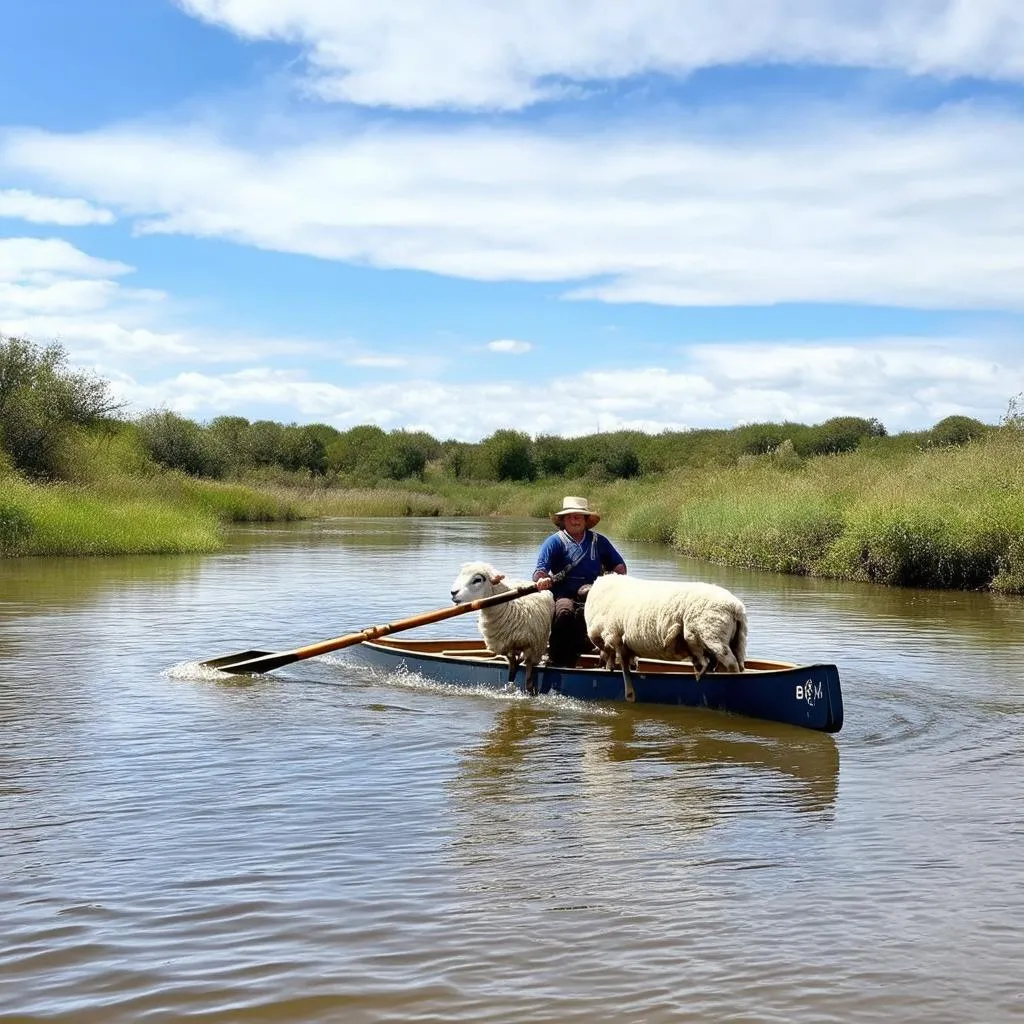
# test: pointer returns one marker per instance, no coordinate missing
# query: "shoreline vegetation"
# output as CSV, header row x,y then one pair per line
x,y
940,508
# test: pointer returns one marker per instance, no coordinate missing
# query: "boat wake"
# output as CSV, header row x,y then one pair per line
x,y
197,672
404,678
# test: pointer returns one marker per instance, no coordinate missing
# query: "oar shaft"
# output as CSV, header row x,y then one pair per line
x,y
424,619
257,662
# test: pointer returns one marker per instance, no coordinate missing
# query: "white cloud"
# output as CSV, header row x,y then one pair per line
x,y
45,260
906,383
51,209
52,291
510,346
468,54
913,211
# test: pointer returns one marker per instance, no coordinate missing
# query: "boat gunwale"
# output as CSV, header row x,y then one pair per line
x,y
472,652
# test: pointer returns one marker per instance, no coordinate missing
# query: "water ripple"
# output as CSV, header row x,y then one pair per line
x,y
331,842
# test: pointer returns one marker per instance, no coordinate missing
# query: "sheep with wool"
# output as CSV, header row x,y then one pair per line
x,y
628,617
520,629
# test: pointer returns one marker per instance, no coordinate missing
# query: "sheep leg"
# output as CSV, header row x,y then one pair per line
x,y
530,683
531,679
625,658
725,660
513,667
604,653
676,642
698,654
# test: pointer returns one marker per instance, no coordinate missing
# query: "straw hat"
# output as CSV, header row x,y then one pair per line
x,y
573,504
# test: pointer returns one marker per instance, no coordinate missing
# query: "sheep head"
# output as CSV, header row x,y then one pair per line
x,y
475,580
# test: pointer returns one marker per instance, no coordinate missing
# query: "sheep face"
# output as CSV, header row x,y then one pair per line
x,y
475,580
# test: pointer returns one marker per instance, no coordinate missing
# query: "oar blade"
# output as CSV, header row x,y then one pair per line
x,y
230,659
261,661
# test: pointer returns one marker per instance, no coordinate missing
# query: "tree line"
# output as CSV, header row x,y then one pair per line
x,y
46,405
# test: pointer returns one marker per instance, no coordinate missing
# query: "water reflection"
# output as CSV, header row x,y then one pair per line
x,y
728,757
28,585
619,815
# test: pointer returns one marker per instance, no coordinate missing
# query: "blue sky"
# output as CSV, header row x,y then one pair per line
x,y
556,215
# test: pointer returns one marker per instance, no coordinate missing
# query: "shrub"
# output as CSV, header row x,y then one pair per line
x,y
356,450
955,430
508,455
177,443
41,400
401,456
302,448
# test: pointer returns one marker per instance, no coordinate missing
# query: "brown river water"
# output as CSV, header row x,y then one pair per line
x,y
326,844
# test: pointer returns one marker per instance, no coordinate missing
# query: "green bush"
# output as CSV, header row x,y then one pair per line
x,y
177,443
41,400
356,451
400,457
508,455
302,448
956,430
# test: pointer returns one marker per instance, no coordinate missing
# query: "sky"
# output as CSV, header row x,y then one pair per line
x,y
560,216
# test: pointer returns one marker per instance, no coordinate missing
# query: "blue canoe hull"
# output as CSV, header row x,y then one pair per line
x,y
808,696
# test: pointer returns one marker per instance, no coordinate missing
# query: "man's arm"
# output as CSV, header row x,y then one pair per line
x,y
610,558
544,571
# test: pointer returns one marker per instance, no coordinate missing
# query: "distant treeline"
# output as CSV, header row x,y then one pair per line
x,y
51,415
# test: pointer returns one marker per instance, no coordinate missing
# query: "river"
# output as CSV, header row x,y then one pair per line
x,y
326,844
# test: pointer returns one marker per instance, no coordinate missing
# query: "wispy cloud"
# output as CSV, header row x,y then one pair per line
x,y
44,260
50,290
36,209
913,211
509,346
467,54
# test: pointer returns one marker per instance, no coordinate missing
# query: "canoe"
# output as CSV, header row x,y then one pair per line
x,y
808,696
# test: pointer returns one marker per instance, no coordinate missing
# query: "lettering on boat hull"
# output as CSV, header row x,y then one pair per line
x,y
809,691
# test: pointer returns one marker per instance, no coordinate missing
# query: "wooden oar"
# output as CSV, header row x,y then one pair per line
x,y
266,661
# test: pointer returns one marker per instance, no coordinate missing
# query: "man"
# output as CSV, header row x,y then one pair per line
x,y
586,555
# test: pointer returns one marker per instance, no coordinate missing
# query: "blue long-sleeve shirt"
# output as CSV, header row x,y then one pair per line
x,y
560,550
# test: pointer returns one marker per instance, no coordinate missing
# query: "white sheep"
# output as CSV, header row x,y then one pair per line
x,y
628,617
518,629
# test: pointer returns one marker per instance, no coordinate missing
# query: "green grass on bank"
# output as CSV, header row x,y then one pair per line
x,y
65,519
165,513
949,518
943,517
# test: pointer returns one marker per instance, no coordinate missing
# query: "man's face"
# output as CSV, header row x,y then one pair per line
x,y
574,522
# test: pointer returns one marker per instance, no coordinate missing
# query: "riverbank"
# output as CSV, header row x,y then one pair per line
x,y
161,513
945,517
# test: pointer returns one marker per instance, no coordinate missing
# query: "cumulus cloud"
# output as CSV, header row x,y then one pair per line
x,y
37,209
913,211
905,382
473,55
510,346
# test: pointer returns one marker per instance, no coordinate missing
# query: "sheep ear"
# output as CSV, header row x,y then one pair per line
x,y
498,577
